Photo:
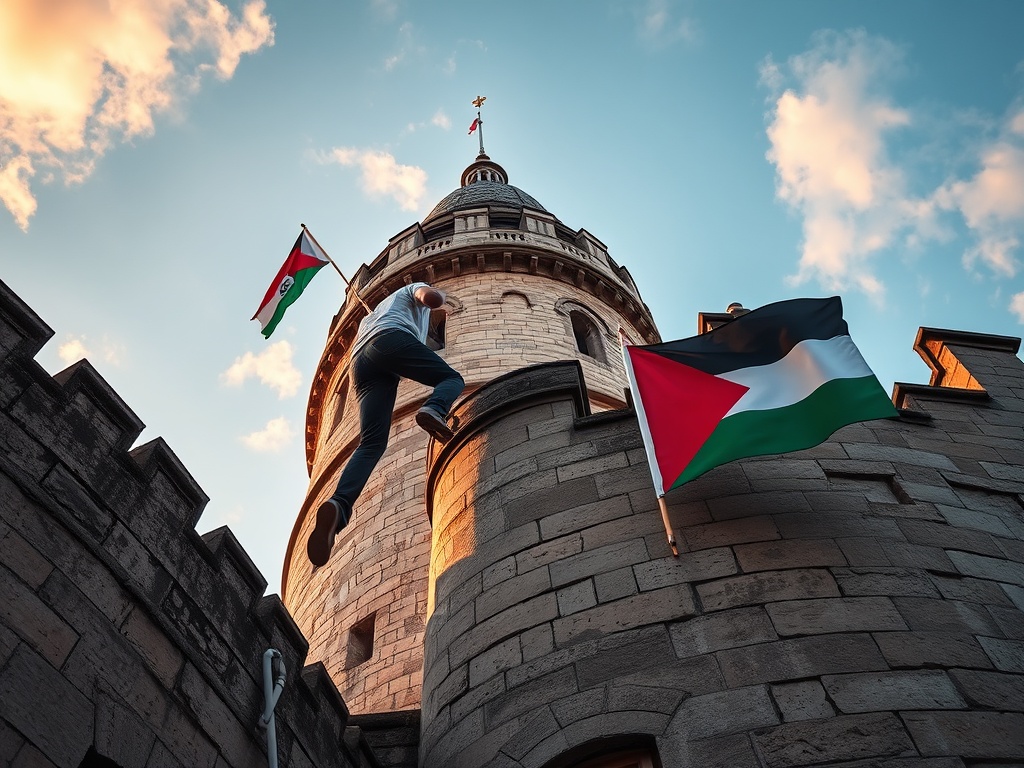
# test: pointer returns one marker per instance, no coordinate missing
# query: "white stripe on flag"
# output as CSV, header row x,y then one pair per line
x,y
808,365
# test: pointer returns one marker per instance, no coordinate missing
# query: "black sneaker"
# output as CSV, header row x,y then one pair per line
x,y
331,517
435,424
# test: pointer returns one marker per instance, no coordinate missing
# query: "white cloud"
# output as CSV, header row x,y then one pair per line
x,y
272,438
75,348
273,367
113,353
441,120
77,77
382,176
407,47
658,22
827,132
1017,306
1017,123
831,125
992,202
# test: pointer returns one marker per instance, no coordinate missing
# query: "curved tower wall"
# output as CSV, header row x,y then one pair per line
x,y
512,294
858,603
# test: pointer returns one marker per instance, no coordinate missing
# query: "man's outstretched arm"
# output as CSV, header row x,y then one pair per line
x,y
429,297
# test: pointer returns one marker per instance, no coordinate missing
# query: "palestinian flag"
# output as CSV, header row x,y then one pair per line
x,y
780,378
298,269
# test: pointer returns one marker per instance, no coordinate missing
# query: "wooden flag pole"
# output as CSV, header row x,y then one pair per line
x,y
625,341
668,526
336,269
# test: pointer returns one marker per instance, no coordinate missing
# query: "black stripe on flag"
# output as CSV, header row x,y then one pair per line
x,y
760,337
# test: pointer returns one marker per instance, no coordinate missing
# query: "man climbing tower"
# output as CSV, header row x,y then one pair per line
x,y
390,345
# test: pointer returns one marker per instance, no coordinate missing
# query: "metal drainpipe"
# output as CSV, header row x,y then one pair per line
x,y
271,693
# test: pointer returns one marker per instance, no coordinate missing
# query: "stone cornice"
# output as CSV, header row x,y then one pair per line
x,y
902,390
1008,344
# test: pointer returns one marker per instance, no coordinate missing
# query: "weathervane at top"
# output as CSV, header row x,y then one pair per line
x,y
479,122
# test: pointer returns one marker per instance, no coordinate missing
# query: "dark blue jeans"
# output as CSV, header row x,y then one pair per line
x,y
376,370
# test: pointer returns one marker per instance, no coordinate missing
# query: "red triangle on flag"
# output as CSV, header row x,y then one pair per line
x,y
683,407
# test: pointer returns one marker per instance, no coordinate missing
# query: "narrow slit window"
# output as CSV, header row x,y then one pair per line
x,y
588,340
360,642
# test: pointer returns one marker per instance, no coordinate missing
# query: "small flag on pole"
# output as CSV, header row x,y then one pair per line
x,y
473,125
777,379
304,261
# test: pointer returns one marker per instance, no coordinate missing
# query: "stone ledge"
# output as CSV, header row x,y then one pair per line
x,y
902,390
927,335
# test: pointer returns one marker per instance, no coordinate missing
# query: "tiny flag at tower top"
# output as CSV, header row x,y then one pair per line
x,y
304,261
777,379
474,124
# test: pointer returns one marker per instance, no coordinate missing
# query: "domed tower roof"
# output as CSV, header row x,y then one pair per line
x,y
484,183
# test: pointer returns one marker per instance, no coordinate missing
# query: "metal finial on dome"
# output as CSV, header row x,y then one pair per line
x,y
478,102
482,169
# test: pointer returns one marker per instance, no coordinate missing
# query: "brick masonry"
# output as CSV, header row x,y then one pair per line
x,y
126,638
855,604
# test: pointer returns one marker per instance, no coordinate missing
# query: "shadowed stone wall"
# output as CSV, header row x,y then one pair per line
x,y
126,638
856,604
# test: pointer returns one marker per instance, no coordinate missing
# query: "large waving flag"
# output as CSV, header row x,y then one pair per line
x,y
304,261
780,378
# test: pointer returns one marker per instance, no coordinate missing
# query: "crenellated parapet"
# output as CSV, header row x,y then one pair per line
x,y
964,366
125,635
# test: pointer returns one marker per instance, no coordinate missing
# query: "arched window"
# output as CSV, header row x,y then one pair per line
x,y
588,338
637,751
631,759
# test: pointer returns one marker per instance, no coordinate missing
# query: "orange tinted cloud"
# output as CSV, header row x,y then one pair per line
x,y
828,135
992,204
78,76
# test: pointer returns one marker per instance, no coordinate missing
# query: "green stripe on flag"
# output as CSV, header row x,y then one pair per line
x,y
302,278
802,425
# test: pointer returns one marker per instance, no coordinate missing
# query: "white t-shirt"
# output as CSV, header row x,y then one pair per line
x,y
399,311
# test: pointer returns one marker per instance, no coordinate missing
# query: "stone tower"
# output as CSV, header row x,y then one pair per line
x,y
523,289
859,604
509,599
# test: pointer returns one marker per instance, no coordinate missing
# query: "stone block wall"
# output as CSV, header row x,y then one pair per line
x,y
856,604
126,639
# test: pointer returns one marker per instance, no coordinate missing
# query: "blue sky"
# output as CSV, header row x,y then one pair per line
x,y
155,166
